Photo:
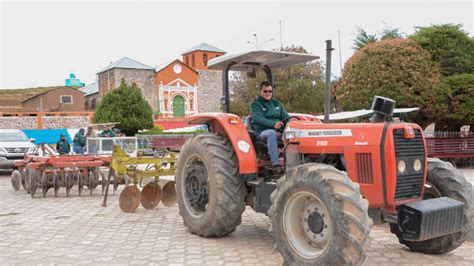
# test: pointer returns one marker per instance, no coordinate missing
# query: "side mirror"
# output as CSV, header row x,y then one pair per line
x,y
32,140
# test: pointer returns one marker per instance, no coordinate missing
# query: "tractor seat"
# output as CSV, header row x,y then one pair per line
x,y
247,120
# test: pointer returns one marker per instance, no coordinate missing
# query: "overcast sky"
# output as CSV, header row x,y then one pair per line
x,y
42,42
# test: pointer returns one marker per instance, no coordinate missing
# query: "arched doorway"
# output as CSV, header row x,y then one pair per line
x,y
178,106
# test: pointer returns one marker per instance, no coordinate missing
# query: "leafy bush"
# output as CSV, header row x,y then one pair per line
x,y
396,68
127,106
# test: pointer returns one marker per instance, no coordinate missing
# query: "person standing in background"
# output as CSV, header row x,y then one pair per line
x,y
79,142
62,146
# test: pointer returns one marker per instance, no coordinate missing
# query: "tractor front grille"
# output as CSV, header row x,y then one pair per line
x,y
410,183
364,168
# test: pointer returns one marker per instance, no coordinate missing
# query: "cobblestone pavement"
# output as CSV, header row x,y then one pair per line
x,y
78,230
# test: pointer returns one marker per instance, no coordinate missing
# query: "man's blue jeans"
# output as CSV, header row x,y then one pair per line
x,y
270,136
78,149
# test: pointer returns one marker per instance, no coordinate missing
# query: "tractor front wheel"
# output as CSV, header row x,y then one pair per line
x,y
442,180
211,197
319,217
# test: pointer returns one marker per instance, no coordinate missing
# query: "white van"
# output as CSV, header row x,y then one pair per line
x,y
13,145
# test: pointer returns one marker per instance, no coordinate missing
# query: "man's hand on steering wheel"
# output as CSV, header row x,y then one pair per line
x,y
278,125
285,121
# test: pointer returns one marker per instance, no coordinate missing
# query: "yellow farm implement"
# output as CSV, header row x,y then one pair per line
x,y
131,171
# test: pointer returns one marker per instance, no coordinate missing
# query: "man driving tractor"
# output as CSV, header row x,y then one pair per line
x,y
267,116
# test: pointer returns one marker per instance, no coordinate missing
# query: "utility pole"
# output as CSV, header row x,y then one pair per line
x,y
281,37
256,41
327,102
340,56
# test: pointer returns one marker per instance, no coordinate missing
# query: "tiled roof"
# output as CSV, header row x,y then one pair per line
x,y
204,47
127,63
90,89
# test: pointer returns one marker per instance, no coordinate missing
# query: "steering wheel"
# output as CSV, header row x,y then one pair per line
x,y
289,118
285,121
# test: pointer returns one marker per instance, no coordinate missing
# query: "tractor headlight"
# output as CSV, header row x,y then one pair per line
x,y
401,166
290,135
417,165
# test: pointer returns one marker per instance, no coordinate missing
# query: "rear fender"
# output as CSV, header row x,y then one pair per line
x,y
231,126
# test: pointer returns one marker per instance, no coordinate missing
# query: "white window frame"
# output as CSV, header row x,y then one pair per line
x,y
61,99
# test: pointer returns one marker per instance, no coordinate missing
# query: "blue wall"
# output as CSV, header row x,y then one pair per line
x,y
48,136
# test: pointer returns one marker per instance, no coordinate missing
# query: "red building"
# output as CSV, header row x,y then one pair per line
x,y
177,81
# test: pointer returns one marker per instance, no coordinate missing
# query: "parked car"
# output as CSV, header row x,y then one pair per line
x,y
13,145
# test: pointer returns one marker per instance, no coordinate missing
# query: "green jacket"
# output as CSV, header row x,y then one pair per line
x,y
265,113
79,140
63,147
107,134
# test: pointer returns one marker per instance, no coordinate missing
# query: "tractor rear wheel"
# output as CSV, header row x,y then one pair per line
x,y
211,197
319,217
442,180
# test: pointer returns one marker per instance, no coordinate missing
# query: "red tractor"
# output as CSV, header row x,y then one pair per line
x,y
338,180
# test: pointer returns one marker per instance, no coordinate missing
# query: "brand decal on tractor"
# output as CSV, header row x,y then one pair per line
x,y
243,146
326,133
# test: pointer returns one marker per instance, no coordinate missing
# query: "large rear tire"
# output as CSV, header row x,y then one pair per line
x,y
443,180
319,217
211,197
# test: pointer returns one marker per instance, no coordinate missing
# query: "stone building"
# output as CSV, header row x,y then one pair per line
x,y
132,72
210,93
91,94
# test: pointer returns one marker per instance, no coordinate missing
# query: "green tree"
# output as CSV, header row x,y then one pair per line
x,y
363,37
396,68
300,88
126,105
456,107
390,33
449,45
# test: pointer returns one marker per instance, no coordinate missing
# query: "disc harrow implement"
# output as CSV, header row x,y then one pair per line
x,y
134,172
53,172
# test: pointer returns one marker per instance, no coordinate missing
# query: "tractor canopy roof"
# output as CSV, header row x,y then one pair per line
x,y
255,59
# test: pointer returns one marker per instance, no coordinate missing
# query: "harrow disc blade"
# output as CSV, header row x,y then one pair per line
x,y
44,183
69,182
25,179
151,195
24,176
169,194
16,180
56,183
129,199
90,182
32,182
80,183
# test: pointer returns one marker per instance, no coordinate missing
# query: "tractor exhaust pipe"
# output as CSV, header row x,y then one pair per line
x,y
383,109
327,102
